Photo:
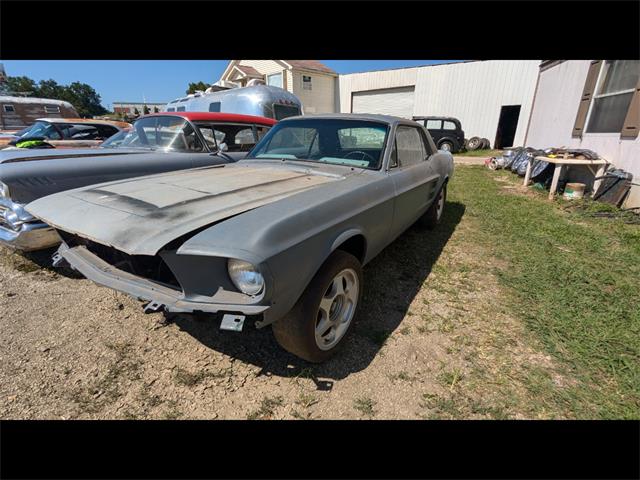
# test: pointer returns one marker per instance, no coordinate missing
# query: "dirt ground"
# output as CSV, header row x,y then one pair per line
x,y
432,340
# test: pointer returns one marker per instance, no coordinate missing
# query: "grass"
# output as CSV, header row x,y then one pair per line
x,y
267,408
365,406
572,278
480,153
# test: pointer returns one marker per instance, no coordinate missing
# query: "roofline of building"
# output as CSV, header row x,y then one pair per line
x,y
415,66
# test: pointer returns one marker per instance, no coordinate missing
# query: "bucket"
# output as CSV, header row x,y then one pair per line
x,y
573,190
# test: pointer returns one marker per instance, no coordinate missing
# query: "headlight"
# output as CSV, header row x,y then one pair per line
x,y
4,190
245,276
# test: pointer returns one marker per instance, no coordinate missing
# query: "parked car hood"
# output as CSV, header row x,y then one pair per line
x,y
26,154
140,216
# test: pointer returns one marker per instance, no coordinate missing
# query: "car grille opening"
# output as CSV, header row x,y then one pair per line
x,y
150,267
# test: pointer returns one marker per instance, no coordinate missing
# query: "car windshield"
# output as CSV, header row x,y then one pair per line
x,y
355,143
115,141
41,129
159,132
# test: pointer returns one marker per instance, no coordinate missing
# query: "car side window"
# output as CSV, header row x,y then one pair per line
x,y
434,124
449,125
410,146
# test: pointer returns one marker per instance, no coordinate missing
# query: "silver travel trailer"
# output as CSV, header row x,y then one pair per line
x,y
259,100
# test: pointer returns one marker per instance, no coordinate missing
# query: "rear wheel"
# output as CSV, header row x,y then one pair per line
x,y
433,216
317,325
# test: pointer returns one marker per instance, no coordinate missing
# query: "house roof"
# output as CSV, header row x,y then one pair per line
x,y
310,65
247,70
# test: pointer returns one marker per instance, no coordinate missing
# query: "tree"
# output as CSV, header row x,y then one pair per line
x,y
84,98
21,85
136,112
193,87
155,110
145,110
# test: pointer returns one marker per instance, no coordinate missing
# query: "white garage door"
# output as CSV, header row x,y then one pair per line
x,y
390,101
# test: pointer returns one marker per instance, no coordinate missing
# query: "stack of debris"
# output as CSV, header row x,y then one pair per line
x,y
614,187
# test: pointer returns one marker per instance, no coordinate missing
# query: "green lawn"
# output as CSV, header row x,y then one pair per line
x,y
573,280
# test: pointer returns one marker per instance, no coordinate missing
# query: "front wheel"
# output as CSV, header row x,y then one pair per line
x,y
446,146
317,325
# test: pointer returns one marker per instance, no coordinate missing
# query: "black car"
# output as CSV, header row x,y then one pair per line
x,y
446,132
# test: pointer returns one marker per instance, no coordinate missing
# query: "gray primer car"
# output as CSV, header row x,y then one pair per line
x,y
283,233
180,141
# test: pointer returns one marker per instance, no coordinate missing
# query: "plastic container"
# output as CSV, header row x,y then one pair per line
x,y
573,191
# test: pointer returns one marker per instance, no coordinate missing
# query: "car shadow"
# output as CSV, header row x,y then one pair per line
x,y
43,259
391,282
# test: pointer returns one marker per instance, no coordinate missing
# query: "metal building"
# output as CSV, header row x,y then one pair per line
x,y
491,98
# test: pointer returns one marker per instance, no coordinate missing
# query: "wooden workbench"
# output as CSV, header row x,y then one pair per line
x,y
560,162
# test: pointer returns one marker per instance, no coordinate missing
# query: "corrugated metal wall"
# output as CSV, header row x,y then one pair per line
x,y
473,92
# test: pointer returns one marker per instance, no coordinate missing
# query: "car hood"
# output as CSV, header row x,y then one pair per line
x,y
141,216
27,154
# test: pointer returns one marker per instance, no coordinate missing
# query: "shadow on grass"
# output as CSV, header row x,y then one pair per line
x,y
391,280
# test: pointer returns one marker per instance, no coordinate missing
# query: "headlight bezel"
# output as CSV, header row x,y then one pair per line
x,y
253,283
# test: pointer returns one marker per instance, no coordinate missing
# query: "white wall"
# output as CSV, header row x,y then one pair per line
x,y
554,114
473,92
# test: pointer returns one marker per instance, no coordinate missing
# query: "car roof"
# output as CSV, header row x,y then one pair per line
x,y
218,116
353,116
85,120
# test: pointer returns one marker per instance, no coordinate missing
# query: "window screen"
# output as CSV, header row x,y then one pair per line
x,y
284,111
180,109
9,108
51,109
410,146
214,107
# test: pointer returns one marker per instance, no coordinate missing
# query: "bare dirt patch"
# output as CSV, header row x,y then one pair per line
x,y
433,340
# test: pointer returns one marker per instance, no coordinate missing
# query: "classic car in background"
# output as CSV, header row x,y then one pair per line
x,y
282,234
155,143
68,132
446,132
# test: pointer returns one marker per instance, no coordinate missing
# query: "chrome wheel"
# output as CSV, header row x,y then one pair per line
x,y
337,308
446,146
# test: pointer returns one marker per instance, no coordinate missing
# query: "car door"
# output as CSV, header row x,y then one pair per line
x,y
413,176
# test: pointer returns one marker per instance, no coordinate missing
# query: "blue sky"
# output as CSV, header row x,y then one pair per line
x,y
158,80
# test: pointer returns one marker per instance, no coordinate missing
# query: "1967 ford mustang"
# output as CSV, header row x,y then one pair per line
x,y
282,234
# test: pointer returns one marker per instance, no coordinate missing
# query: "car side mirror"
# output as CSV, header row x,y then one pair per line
x,y
223,147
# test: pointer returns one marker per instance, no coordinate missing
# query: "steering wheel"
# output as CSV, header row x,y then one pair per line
x,y
364,154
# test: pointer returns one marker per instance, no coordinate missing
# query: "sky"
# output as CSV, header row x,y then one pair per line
x,y
158,81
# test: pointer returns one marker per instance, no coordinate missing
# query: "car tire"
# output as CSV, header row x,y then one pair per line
x,y
486,144
433,216
306,331
446,145
474,143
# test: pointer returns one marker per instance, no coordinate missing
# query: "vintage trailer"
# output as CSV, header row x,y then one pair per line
x,y
259,100
17,113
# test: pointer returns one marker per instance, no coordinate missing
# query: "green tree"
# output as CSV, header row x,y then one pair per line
x,y
84,98
136,112
21,85
155,110
145,110
193,87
